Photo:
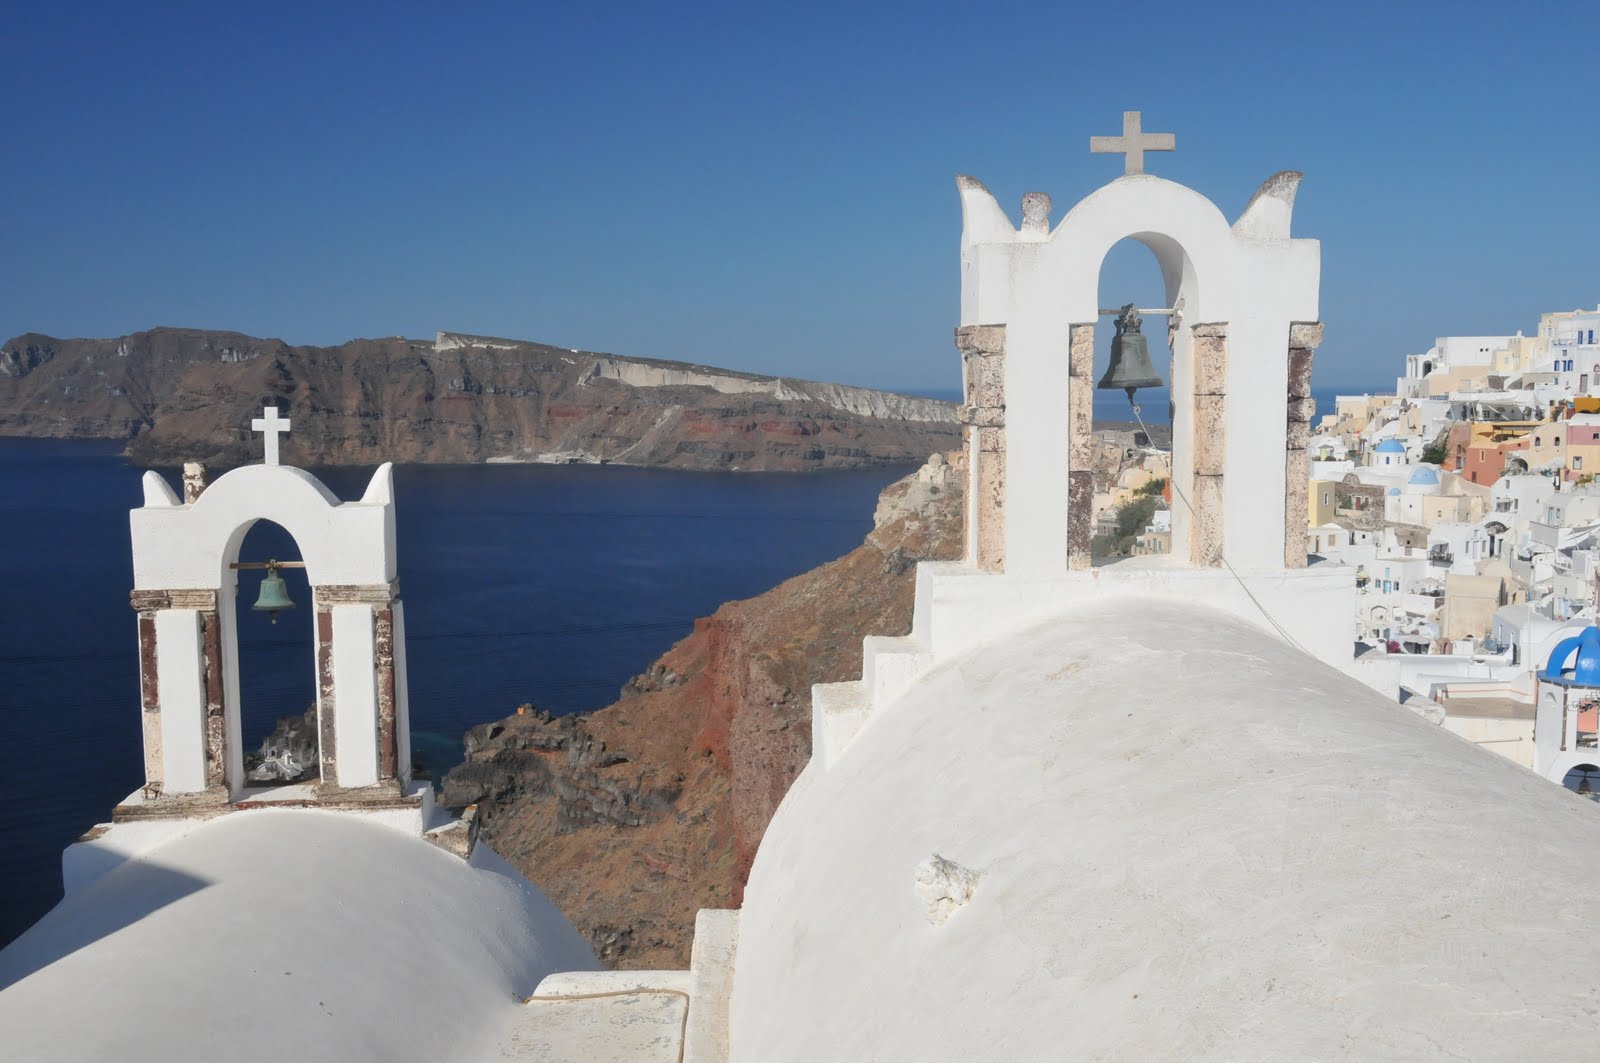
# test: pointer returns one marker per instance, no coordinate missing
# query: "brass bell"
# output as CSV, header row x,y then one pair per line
x,y
274,595
1130,367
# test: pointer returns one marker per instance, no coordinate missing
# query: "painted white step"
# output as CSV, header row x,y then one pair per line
x,y
837,712
889,665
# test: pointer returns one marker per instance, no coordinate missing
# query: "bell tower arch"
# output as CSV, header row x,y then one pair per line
x,y
186,564
1242,310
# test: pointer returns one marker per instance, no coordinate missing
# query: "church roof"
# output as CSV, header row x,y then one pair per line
x,y
1161,833
1391,446
1426,475
1575,661
266,935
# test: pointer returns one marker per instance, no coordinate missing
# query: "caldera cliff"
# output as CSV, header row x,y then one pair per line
x,y
633,817
190,394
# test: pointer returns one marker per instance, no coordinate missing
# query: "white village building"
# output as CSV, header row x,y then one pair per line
x,y
1135,811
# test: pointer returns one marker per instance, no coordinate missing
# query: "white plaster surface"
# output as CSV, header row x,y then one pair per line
x,y
636,1027
716,942
602,1017
1193,842
271,935
182,700
191,546
355,704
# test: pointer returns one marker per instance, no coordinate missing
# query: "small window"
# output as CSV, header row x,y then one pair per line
x,y
1577,463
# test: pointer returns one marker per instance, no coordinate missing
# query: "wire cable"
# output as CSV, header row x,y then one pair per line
x,y
1138,415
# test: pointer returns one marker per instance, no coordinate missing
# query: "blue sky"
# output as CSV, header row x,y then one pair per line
x,y
769,190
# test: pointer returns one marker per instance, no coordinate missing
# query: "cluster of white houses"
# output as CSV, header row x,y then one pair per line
x,y
1467,505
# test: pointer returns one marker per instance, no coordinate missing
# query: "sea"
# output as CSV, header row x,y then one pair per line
x,y
524,584
534,585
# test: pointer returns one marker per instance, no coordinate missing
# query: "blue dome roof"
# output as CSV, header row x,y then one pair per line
x,y
1391,446
1425,474
1394,490
1583,650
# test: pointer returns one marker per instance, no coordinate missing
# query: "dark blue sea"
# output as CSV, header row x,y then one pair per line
x,y
549,585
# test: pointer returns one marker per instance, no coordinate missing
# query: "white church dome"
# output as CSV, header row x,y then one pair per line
x,y
1182,840
269,935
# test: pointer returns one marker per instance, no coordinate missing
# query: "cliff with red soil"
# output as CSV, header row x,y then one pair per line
x,y
633,817
190,394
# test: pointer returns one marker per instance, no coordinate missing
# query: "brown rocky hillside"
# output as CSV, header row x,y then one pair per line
x,y
190,394
633,817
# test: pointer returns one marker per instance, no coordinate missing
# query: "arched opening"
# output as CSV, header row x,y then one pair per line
x,y
1132,498
270,662
1427,367
1583,779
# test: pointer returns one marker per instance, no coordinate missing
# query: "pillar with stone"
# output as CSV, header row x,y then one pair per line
x,y
1080,445
1233,289
1208,443
185,552
1304,339
1031,295
983,418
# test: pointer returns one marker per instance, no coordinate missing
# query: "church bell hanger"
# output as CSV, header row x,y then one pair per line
x,y
1130,367
274,594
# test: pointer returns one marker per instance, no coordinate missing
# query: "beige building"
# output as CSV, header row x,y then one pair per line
x,y
1322,503
1523,354
1470,601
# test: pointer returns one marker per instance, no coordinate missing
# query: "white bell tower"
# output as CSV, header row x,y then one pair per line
x,y
1242,305
185,555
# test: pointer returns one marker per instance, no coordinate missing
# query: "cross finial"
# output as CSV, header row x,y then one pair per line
x,y
1133,142
271,428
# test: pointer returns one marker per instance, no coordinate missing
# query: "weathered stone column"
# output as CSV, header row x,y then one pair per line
x,y
193,678
1080,445
327,730
149,692
1304,338
383,662
1208,442
359,703
983,350
216,713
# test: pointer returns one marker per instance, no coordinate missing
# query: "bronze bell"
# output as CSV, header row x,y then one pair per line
x,y
1130,367
274,594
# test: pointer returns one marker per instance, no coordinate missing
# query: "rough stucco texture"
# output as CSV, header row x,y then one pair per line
x,y
1191,842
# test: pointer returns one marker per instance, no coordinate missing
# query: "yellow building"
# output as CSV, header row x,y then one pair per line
x,y
1459,378
1321,503
1524,354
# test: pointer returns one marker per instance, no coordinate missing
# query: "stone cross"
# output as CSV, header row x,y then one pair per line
x,y
271,428
1133,143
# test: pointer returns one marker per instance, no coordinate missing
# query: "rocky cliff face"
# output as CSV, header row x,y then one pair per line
x,y
180,394
633,817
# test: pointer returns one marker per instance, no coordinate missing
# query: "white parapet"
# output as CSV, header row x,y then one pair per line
x,y
838,711
889,664
716,941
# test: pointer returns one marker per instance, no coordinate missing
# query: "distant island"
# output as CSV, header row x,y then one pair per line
x,y
188,394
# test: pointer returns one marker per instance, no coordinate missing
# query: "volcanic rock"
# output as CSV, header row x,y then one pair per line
x,y
190,394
